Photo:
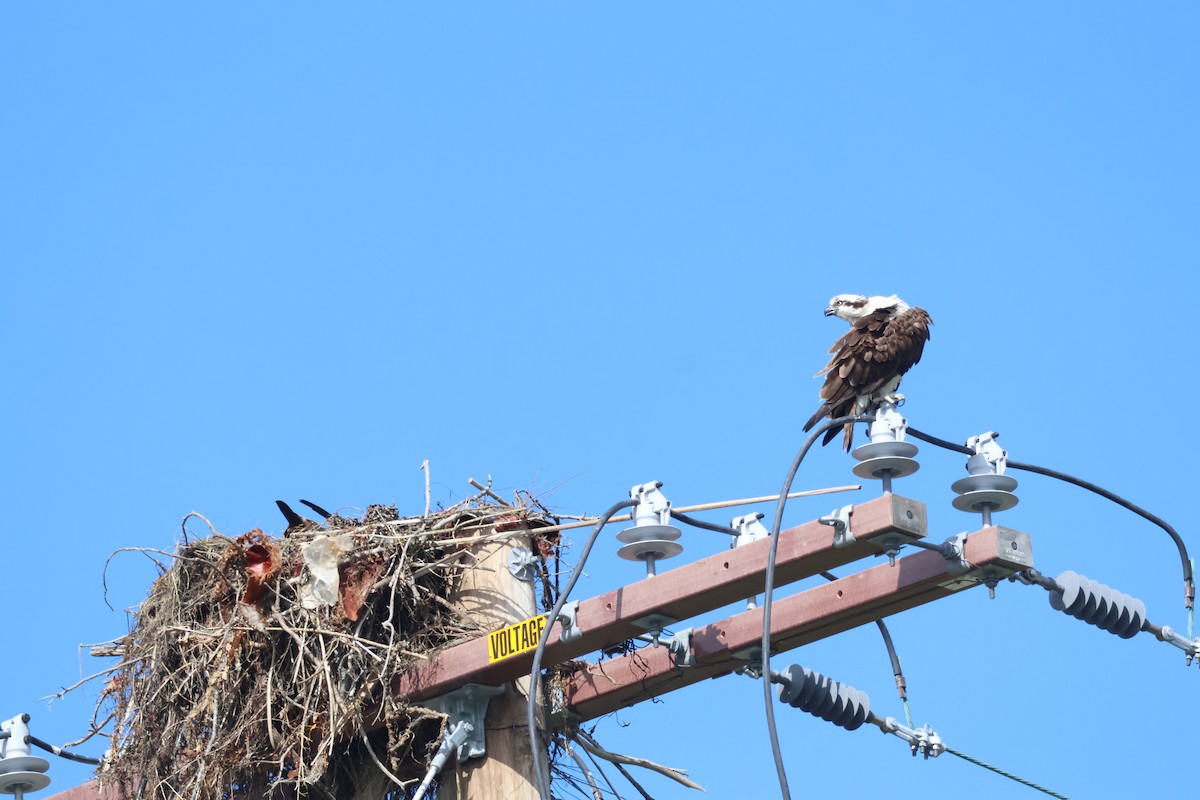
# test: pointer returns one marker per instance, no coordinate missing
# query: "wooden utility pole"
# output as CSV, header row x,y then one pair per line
x,y
492,596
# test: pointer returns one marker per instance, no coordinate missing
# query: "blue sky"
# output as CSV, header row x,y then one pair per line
x,y
256,252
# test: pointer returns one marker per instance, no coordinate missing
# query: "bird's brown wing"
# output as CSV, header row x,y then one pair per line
x,y
869,355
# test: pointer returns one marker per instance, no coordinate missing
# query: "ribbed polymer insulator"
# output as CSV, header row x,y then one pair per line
x,y
823,697
1099,605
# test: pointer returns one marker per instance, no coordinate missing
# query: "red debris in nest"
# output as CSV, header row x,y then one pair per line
x,y
262,563
355,581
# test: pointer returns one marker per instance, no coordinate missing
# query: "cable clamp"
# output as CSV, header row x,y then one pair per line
x,y
568,615
991,453
1189,646
889,424
653,507
839,520
749,529
923,740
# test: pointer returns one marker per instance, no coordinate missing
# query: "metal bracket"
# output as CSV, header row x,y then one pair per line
x,y
654,623
522,564
839,520
680,647
962,573
754,661
953,551
468,705
568,616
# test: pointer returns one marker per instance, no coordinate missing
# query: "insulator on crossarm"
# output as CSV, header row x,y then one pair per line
x,y
1099,605
823,697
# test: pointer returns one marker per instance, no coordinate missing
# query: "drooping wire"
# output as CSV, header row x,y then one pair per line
x,y
1189,585
769,587
535,672
699,523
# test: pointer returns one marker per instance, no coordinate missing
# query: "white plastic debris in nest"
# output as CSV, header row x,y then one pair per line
x,y
321,588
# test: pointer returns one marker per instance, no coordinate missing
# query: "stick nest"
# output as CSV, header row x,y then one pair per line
x,y
260,663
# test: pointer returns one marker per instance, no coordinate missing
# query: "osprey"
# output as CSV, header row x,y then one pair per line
x,y
885,339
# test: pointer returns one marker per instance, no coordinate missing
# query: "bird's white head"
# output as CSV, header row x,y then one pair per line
x,y
852,307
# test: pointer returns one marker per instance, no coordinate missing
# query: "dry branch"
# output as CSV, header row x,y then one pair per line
x,y
677,775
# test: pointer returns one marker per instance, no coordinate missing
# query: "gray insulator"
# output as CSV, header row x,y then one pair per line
x,y
1099,605
823,697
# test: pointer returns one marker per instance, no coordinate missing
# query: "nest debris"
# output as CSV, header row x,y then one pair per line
x,y
259,665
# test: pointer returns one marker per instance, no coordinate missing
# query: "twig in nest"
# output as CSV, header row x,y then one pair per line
x,y
488,491
362,732
600,770
587,773
202,518
677,775
146,551
50,698
428,496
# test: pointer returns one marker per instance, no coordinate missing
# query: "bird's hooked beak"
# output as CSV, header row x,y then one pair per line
x,y
829,312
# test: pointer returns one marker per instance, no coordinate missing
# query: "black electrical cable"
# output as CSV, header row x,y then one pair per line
x,y
1189,585
699,523
901,685
58,751
535,672
770,587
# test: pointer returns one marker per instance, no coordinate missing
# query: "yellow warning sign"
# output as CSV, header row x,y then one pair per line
x,y
515,639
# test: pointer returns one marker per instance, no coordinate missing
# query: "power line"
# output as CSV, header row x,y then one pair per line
x,y
769,586
1008,775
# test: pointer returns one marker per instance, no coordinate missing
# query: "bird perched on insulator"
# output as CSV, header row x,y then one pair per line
x,y
886,338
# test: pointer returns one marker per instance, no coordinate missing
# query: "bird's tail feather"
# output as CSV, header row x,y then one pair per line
x,y
831,434
291,516
815,418
317,509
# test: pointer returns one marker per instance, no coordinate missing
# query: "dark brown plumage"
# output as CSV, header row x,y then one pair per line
x,y
295,522
885,340
324,514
